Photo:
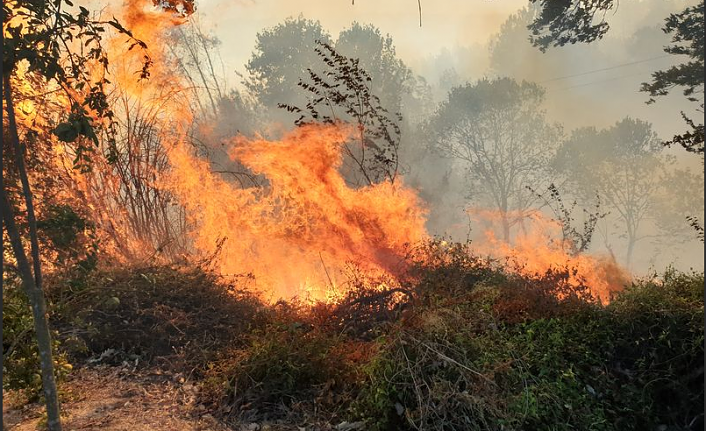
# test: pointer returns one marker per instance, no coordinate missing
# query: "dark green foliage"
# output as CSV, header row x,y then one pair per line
x,y
687,30
636,364
562,22
20,354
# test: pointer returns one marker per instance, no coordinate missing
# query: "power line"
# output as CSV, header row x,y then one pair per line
x,y
603,80
617,66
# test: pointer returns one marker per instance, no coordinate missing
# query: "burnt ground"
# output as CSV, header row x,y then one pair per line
x,y
118,399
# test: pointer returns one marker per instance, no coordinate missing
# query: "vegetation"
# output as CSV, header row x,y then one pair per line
x,y
559,23
467,346
687,30
111,266
501,162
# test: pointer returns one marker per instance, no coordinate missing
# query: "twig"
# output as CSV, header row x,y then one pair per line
x,y
326,271
453,361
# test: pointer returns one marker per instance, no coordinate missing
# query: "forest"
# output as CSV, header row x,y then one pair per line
x,y
270,215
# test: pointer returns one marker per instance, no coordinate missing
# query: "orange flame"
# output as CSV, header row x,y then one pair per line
x,y
536,250
299,232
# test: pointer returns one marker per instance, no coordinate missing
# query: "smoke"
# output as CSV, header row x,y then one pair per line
x,y
586,85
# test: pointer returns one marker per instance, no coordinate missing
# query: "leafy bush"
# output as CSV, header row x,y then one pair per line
x,y
20,353
636,364
458,344
288,369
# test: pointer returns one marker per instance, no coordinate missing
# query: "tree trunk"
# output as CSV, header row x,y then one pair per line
x,y
32,283
631,248
506,227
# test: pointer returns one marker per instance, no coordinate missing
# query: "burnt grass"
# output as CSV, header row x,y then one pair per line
x,y
458,344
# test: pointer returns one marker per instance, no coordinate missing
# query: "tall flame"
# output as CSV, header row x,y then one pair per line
x,y
301,230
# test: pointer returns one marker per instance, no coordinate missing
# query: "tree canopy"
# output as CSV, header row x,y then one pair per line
x,y
687,30
498,130
281,58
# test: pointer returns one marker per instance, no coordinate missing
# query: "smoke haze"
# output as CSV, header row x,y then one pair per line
x,y
586,85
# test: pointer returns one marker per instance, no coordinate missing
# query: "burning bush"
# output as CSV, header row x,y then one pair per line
x,y
459,343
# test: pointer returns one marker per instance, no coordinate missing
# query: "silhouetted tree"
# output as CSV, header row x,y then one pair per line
x,y
687,30
624,165
498,130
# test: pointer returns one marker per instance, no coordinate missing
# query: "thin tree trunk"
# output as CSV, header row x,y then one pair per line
x,y
32,283
505,226
631,248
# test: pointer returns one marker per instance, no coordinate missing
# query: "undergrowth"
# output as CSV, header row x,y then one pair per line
x,y
457,344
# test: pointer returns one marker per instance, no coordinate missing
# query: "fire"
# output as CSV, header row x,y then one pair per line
x,y
299,232
538,248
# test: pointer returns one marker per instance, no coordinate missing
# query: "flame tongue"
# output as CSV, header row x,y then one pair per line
x,y
536,250
307,223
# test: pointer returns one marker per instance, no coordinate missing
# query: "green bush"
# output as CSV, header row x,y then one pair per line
x,y
635,364
288,367
21,357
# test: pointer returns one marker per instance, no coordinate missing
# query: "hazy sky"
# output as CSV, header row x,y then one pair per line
x,y
445,23
460,31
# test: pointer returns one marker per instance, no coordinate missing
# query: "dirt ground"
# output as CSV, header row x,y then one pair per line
x,y
116,399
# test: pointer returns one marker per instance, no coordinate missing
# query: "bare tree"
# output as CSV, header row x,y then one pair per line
x,y
497,130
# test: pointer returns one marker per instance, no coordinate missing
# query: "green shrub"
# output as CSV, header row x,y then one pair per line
x,y
635,364
21,357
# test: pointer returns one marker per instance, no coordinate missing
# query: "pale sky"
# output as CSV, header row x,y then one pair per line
x,y
447,23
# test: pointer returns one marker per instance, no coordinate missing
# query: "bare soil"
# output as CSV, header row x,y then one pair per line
x,y
117,399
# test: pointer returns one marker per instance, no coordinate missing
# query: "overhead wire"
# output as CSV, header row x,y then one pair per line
x,y
617,66
603,80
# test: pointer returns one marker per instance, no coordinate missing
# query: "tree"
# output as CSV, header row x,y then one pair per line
x,y
497,129
624,166
282,56
343,93
391,79
39,37
567,22
687,29
197,59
